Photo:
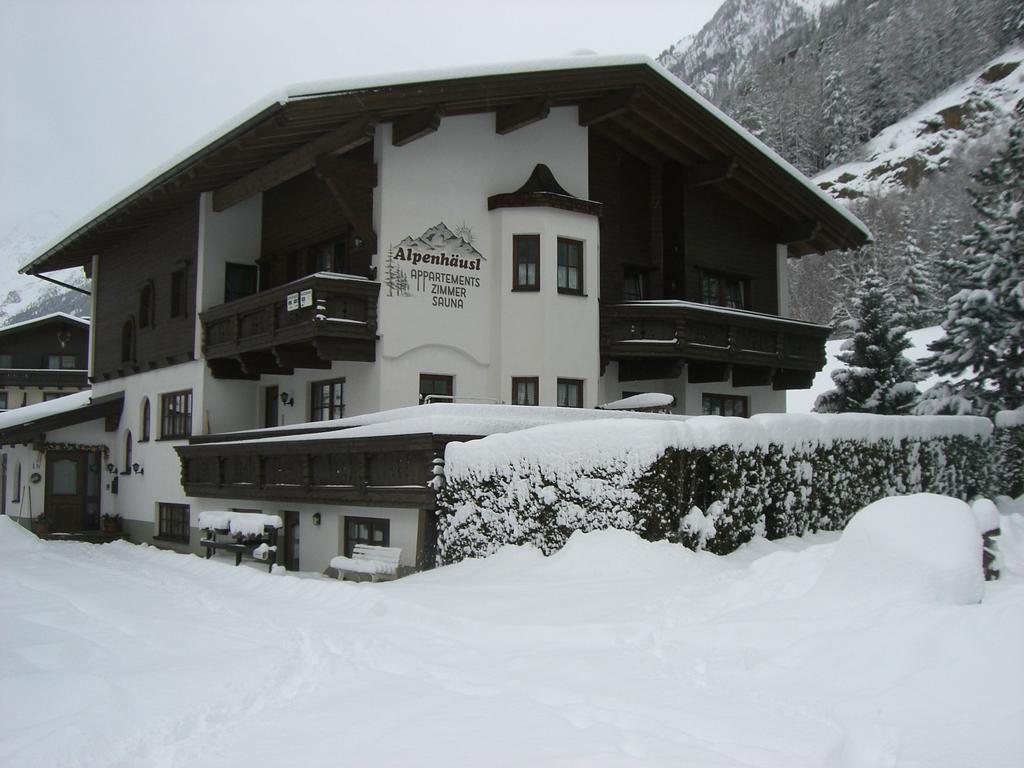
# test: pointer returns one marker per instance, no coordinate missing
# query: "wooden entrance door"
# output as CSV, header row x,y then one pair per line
x,y
65,503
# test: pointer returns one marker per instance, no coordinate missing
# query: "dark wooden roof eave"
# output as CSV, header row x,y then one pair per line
x,y
284,126
107,407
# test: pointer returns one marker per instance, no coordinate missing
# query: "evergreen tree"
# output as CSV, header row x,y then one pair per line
x,y
877,377
915,277
984,326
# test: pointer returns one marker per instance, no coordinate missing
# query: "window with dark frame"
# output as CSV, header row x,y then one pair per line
x,y
570,393
144,421
366,530
47,396
127,469
61,362
176,415
524,390
526,262
327,399
724,290
178,293
6,361
3,401
147,305
725,405
173,522
570,266
439,387
634,285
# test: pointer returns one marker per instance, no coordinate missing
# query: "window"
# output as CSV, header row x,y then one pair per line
x,y
570,266
147,305
176,415
724,405
366,530
634,285
3,401
173,522
724,291
128,341
437,387
55,362
524,390
127,470
239,281
526,263
271,414
144,420
16,497
178,293
570,393
47,396
6,361
327,401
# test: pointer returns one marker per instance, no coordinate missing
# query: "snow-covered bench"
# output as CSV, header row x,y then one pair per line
x,y
244,533
380,563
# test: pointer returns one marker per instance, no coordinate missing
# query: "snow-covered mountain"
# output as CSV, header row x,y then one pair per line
x,y
979,107
23,297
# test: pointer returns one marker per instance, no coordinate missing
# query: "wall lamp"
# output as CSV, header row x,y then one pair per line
x,y
63,336
137,469
111,468
316,518
287,399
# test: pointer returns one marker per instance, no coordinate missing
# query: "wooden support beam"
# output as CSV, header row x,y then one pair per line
x,y
349,136
703,372
752,375
345,349
258,363
606,107
408,128
515,116
792,379
712,172
800,232
296,356
352,200
229,368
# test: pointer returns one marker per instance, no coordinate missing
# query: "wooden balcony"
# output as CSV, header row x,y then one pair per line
x,y
43,377
307,323
653,339
391,471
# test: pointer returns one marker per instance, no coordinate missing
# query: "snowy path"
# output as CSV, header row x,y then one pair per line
x,y
615,652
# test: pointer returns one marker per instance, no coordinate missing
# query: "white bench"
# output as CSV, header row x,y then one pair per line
x,y
380,563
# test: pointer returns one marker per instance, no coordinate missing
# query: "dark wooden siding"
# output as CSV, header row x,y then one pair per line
x,y
154,253
31,347
721,235
623,184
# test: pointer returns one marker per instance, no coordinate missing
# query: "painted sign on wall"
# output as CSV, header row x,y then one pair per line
x,y
439,264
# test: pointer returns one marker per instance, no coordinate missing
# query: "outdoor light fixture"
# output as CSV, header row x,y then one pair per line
x,y
287,399
316,518
137,469
110,468
63,336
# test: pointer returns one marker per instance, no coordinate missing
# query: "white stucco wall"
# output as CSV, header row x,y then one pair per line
x,y
424,184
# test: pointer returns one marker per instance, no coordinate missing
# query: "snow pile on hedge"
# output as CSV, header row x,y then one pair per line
x,y
239,523
709,482
922,547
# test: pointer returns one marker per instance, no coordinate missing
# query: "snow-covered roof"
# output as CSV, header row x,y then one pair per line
x,y
277,100
17,417
63,316
449,419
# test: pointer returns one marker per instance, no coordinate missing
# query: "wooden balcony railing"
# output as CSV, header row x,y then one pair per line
x,y
704,333
43,377
315,319
376,471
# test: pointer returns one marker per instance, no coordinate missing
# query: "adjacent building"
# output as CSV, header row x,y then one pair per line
x,y
563,233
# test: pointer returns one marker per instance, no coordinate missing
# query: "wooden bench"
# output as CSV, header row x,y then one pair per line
x,y
379,563
245,548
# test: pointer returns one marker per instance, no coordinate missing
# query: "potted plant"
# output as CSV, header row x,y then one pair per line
x,y
41,526
111,523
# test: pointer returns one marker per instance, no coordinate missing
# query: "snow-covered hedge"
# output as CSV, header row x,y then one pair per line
x,y
1009,452
709,482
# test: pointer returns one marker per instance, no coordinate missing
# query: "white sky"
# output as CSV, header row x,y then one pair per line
x,y
96,93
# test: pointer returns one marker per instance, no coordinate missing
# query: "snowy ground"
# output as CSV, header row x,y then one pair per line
x,y
614,652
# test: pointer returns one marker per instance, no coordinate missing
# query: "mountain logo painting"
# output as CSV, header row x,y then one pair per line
x,y
440,264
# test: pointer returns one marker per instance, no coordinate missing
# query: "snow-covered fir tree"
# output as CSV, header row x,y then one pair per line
x,y
877,377
984,341
917,283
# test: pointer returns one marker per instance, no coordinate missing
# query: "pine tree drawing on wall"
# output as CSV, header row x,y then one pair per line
x,y
984,341
877,377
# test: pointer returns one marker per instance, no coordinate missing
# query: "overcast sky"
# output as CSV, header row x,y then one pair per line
x,y
97,93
